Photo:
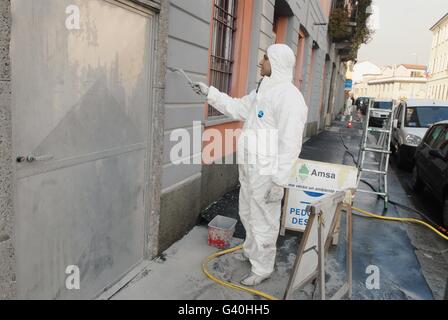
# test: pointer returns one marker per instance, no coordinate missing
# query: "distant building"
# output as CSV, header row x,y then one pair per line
x,y
394,82
438,63
364,68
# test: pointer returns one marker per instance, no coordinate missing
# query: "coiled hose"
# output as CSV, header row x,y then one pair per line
x,y
229,284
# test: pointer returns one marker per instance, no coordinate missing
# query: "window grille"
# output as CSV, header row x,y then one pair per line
x,y
224,25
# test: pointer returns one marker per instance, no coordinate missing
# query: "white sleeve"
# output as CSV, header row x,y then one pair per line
x,y
233,107
292,113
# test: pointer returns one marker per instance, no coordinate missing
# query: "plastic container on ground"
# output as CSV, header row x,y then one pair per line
x,y
220,232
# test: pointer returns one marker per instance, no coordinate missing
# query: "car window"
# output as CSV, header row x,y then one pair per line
x,y
423,117
440,140
443,145
434,135
383,105
399,113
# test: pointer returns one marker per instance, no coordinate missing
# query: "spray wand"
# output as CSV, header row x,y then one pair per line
x,y
193,84
182,72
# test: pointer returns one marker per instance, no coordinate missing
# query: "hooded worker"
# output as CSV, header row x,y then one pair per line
x,y
277,108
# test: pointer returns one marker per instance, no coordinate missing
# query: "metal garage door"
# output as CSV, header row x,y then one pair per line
x,y
81,105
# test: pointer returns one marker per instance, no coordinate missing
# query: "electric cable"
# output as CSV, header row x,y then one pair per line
x,y
346,148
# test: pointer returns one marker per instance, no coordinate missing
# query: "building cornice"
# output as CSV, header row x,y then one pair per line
x,y
439,22
398,79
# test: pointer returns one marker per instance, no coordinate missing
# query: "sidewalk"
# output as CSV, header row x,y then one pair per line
x,y
178,275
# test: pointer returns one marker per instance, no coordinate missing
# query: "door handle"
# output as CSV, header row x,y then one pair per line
x,y
33,158
20,159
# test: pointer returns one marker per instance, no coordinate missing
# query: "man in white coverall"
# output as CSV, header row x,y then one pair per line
x,y
277,106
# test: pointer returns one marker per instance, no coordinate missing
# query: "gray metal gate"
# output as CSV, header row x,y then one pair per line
x,y
81,110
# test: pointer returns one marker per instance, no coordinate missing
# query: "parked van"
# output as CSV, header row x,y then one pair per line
x,y
381,110
412,119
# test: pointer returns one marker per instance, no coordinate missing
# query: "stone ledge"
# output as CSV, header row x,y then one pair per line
x,y
7,274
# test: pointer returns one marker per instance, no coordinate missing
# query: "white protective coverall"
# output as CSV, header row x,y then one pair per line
x,y
277,106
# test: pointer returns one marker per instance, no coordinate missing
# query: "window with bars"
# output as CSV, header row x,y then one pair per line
x,y
224,27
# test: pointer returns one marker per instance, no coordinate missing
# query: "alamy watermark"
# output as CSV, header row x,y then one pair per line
x,y
73,279
373,280
258,147
73,21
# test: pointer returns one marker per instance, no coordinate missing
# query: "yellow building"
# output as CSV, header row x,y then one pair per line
x,y
438,63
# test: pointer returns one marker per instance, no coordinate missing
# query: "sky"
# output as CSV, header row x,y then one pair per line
x,y
403,35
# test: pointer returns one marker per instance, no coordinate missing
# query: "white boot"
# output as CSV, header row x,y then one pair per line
x,y
253,280
241,256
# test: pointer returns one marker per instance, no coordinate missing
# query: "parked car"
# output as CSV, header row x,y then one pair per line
x,y
431,165
412,118
362,103
378,116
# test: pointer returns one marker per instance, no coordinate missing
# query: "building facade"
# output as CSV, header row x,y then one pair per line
x,y
394,82
438,61
364,68
91,111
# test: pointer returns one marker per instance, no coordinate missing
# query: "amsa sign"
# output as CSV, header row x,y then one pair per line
x,y
310,181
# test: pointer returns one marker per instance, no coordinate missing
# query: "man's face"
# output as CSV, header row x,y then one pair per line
x,y
266,70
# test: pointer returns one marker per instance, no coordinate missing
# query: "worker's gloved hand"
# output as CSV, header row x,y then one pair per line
x,y
274,194
200,88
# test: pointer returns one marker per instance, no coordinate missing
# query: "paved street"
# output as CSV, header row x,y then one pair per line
x,y
413,262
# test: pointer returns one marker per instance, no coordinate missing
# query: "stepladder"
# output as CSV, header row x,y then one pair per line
x,y
375,151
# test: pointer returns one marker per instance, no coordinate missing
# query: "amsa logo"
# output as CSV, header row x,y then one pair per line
x,y
305,173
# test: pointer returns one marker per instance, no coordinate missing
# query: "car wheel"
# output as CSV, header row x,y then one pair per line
x,y
401,160
445,210
392,149
398,158
417,183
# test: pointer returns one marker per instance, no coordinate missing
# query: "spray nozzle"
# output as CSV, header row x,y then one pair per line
x,y
182,72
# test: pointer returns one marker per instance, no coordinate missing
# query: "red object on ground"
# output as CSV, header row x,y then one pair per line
x,y
220,232
220,244
350,124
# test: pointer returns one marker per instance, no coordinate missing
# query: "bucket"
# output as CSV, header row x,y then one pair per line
x,y
220,232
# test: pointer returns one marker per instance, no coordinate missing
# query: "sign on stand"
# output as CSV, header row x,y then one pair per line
x,y
314,245
310,182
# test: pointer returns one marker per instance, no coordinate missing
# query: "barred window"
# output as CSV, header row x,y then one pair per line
x,y
224,25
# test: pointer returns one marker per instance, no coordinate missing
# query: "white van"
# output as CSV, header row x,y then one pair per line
x,y
412,119
378,116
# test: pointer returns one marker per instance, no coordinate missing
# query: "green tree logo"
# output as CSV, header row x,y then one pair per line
x,y
304,172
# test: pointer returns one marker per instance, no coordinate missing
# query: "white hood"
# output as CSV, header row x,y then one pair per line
x,y
282,61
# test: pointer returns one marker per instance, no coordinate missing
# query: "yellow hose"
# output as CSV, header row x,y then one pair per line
x,y
402,220
269,297
229,284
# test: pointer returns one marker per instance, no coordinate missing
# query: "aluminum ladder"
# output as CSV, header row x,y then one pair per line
x,y
381,149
